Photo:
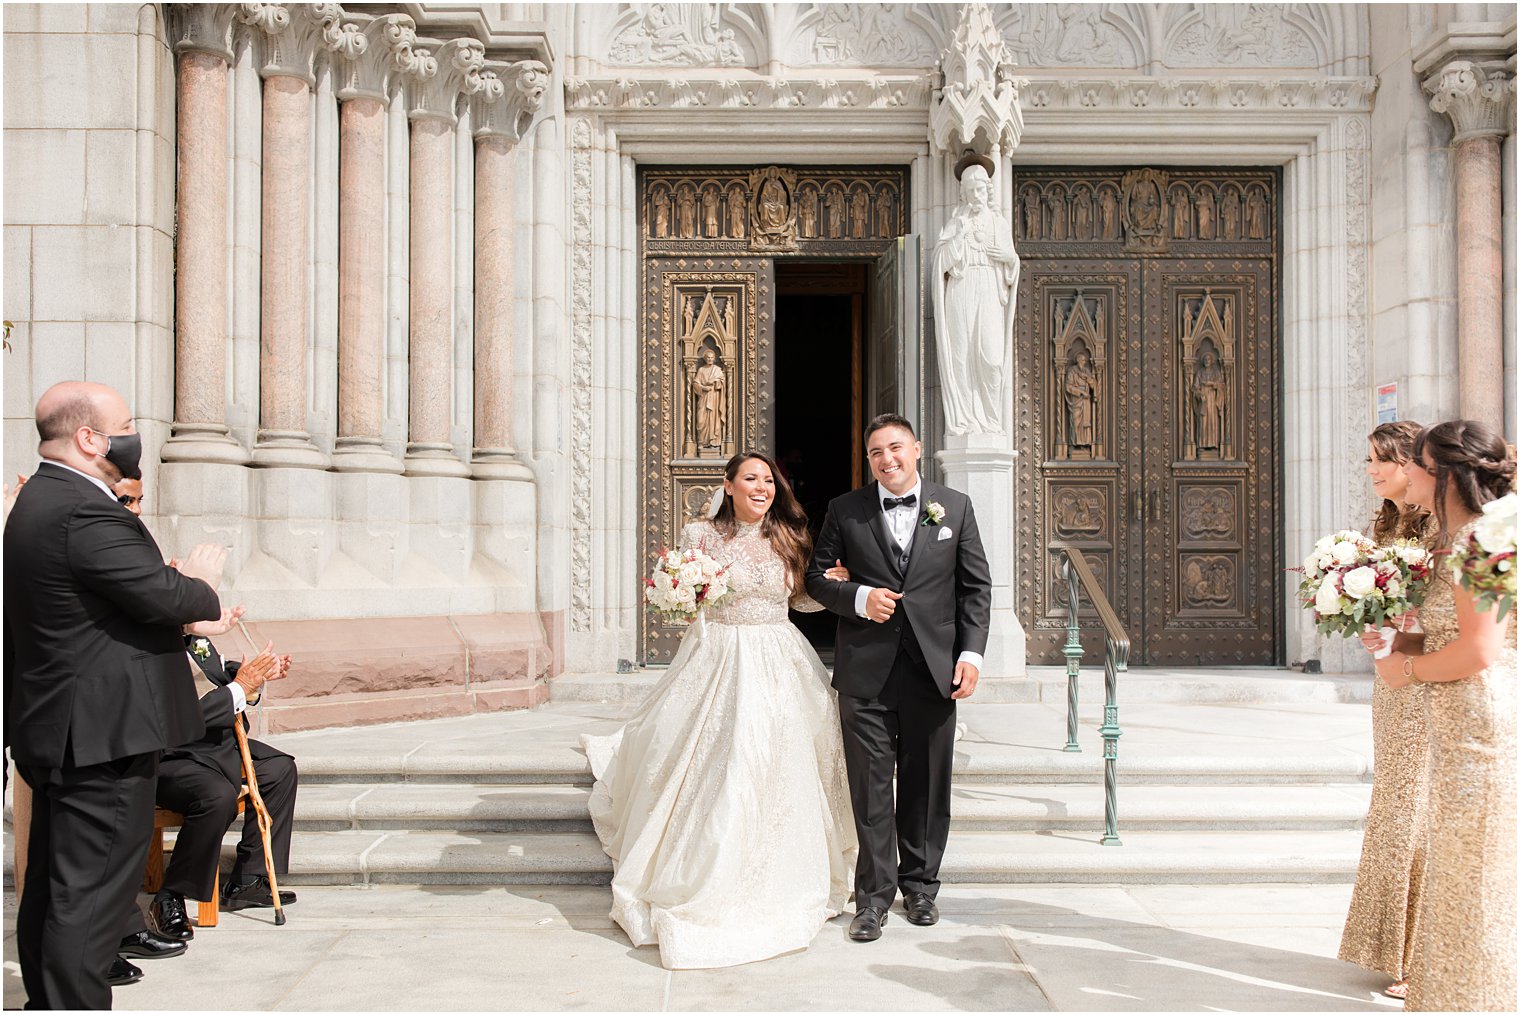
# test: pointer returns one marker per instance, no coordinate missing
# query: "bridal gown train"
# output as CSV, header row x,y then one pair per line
x,y
723,800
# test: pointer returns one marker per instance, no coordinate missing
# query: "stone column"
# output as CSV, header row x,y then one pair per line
x,y
432,91
502,109
1479,97
203,39
979,107
365,71
288,37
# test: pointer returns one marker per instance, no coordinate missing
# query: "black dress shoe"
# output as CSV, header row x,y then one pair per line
x,y
867,924
921,909
122,972
168,912
252,896
146,944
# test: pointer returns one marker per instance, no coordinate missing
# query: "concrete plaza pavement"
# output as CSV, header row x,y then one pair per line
x,y
1257,947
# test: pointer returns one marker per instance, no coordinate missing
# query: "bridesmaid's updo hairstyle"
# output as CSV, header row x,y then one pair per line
x,y
1469,458
1394,442
785,524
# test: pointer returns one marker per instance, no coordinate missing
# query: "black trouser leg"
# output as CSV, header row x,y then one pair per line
x,y
277,785
870,730
209,803
925,756
90,832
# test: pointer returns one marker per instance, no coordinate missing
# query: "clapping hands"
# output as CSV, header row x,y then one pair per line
x,y
211,628
204,562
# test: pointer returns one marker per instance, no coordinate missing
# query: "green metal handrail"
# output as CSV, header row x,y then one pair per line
x,y
1079,577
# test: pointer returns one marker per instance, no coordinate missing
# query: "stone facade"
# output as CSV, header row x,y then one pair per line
x,y
371,280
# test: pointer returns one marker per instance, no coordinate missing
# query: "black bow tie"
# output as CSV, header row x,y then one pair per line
x,y
888,503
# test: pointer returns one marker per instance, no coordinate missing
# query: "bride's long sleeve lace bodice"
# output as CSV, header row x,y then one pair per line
x,y
759,591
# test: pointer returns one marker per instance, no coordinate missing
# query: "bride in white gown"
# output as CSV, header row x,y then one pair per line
x,y
723,801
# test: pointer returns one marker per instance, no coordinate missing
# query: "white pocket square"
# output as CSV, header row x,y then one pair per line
x,y
944,533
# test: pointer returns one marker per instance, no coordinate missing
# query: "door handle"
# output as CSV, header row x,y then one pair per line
x,y
1137,506
1155,505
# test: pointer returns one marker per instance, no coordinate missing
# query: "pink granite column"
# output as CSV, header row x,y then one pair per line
x,y
283,437
1480,280
495,291
361,287
200,261
430,449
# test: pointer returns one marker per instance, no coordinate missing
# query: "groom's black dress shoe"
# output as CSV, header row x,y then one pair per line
x,y
122,972
867,924
145,944
168,912
921,909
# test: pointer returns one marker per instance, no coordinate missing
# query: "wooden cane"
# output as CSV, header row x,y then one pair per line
x,y
260,812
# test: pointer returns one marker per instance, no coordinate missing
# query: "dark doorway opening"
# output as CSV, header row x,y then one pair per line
x,y
819,362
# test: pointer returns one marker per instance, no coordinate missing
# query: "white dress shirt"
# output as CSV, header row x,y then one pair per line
x,y
900,522
94,479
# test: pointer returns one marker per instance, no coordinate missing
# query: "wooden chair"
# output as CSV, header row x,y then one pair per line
x,y
209,911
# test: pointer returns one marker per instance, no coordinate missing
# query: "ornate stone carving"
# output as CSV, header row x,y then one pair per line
x,y
677,35
1308,95
1251,35
433,86
1079,358
372,55
974,285
884,92
1143,205
1479,97
870,35
1071,35
202,28
580,376
978,105
510,95
289,36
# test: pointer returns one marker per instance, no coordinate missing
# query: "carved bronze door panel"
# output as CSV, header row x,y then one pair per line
x,y
706,394
1147,339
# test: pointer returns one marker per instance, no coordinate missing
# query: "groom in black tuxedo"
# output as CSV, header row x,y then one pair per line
x,y
912,629
96,685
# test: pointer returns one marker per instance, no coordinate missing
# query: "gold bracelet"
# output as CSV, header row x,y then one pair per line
x,y
1409,670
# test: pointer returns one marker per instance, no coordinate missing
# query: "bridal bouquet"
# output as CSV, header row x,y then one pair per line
x,y
683,582
1350,581
1485,561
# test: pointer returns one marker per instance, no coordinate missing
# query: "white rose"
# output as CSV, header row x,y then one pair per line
x,y
1359,583
1344,552
1495,533
690,573
1324,542
684,595
717,588
710,567
1327,601
663,581
1394,589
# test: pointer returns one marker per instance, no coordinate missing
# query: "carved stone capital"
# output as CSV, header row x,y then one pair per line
x,y
289,37
439,77
978,105
202,28
508,98
1478,96
371,54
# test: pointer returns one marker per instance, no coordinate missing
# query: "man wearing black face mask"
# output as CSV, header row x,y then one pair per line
x,y
96,685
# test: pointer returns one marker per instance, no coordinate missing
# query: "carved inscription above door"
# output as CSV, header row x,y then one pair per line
x,y
1147,337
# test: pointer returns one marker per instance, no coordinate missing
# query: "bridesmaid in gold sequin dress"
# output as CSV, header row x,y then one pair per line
x,y
1464,949
1385,904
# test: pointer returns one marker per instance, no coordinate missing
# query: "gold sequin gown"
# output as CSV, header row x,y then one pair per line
x,y
1464,953
1385,905
723,802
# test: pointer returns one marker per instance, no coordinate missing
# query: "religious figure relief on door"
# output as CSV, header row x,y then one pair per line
x,y
1208,513
709,343
1208,582
1208,366
1079,332
1145,210
1078,512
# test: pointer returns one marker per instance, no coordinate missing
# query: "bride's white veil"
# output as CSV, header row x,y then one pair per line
x,y
716,504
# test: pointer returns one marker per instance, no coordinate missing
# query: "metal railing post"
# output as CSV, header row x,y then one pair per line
x,y
1115,662
1072,650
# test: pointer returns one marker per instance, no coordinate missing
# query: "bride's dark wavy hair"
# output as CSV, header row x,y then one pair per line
x,y
785,524
1469,458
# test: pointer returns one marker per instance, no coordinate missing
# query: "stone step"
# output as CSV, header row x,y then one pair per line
x,y
1047,684
465,807
975,762
433,857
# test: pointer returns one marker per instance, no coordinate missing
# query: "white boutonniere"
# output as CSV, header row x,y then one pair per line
x,y
200,647
934,513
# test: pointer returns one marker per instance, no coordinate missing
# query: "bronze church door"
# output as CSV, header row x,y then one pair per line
x,y
1147,335
712,237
